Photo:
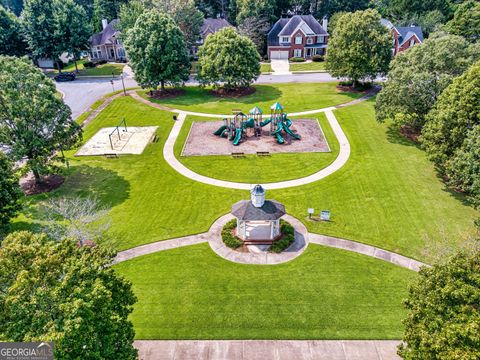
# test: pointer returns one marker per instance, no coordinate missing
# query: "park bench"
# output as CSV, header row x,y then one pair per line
x,y
263,153
110,155
238,154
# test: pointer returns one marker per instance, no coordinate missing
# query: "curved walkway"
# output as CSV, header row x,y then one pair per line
x,y
212,236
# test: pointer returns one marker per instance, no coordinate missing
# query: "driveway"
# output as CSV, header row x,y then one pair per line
x,y
82,93
280,67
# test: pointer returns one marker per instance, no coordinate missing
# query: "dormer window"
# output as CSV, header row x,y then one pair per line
x,y
285,39
298,39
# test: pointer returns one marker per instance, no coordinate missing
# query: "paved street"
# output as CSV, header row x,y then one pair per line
x,y
82,93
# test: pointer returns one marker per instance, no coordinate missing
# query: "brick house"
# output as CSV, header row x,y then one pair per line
x,y
210,26
298,36
106,44
404,37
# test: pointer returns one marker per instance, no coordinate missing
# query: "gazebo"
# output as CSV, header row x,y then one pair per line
x,y
258,220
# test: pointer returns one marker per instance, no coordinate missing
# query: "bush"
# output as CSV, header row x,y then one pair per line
x,y
296,59
88,64
318,58
228,238
287,239
100,62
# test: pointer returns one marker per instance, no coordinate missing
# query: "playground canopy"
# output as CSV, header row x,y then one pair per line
x,y
276,107
256,111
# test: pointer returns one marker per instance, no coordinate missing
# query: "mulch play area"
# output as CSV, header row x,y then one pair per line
x,y
201,140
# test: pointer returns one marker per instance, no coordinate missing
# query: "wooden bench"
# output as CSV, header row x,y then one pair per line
x,y
110,155
263,153
238,154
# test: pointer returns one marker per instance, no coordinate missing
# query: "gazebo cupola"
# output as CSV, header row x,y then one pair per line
x,y
258,196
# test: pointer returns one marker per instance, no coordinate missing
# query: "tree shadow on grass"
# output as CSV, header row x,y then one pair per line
x,y
395,137
109,188
201,96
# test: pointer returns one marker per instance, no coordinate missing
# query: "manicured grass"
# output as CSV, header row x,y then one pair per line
x,y
388,194
255,169
294,97
308,66
265,68
100,70
190,293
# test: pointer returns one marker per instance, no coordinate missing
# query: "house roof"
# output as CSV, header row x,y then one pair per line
x,y
406,32
271,210
287,27
104,37
212,25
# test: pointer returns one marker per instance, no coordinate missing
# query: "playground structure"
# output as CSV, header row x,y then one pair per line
x,y
235,129
120,136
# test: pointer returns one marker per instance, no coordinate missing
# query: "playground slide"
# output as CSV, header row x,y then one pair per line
x,y
265,122
278,133
220,130
288,123
250,123
280,139
238,136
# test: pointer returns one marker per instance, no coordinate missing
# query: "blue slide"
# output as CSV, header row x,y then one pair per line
x,y
238,136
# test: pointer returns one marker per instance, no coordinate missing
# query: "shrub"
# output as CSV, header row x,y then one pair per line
x,y
228,238
318,58
88,64
296,59
287,239
100,62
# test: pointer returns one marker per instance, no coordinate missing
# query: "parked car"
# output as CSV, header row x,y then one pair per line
x,y
65,76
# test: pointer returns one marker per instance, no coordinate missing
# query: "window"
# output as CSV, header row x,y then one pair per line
x,y
309,40
285,39
412,42
298,39
297,53
320,39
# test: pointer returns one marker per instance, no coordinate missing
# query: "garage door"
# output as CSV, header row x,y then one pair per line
x,y
277,55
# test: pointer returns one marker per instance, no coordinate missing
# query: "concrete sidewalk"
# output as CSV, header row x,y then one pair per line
x,y
268,349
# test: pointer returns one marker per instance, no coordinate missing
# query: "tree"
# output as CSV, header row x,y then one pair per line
x,y
463,169
16,6
454,116
71,29
10,192
418,76
33,121
360,46
188,18
444,316
400,9
106,9
11,39
330,7
83,219
254,8
255,29
39,28
228,59
466,21
87,6
157,51
58,291
430,21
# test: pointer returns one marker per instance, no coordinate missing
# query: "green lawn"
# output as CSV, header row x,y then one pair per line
x,y
254,169
100,70
308,66
294,97
265,68
387,194
191,293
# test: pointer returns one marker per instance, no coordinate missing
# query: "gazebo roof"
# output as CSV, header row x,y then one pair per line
x,y
271,210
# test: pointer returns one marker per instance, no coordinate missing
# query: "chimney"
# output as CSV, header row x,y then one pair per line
x,y
325,23
104,23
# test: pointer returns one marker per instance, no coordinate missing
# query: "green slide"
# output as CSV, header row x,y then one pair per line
x,y
278,133
220,130
265,122
238,136
288,123
250,123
